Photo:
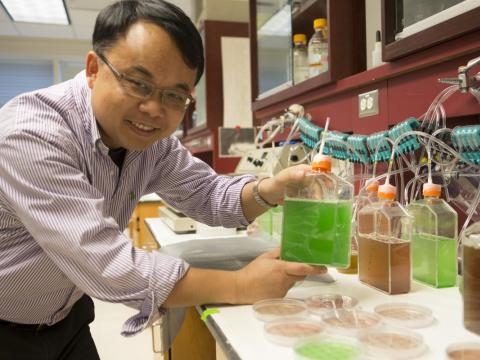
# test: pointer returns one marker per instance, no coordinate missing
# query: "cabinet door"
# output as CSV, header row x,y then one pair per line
x,y
274,45
142,238
194,341
413,25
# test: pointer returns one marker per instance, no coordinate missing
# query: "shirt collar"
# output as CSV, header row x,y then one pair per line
x,y
83,98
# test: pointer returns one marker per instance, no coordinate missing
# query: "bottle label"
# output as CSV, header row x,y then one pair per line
x,y
317,63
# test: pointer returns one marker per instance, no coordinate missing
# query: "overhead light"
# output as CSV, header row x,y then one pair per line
x,y
280,24
37,11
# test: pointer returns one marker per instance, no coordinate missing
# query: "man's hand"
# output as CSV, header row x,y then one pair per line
x,y
273,189
265,277
268,277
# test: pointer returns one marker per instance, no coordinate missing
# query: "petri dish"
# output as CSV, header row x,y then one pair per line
x,y
464,351
350,322
287,331
327,348
270,309
405,314
322,303
391,343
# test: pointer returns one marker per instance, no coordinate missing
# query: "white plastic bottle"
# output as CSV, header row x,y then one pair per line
x,y
318,48
300,58
377,50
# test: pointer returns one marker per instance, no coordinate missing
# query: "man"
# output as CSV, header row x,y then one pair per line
x,y
74,160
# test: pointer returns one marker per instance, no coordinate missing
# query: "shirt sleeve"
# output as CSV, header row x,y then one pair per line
x,y
43,183
190,185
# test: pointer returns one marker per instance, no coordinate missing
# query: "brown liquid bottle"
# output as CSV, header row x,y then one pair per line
x,y
384,233
471,278
366,197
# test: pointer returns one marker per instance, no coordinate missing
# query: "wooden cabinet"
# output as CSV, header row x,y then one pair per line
x,y
406,85
346,44
411,26
140,235
194,341
201,129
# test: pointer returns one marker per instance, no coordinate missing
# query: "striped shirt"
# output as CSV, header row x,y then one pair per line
x,y
64,205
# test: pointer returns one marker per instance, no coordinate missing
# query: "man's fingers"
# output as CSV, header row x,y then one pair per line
x,y
291,175
318,270
295,175
297,278
298,269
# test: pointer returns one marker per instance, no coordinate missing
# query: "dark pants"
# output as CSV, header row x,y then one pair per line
x,y
68,339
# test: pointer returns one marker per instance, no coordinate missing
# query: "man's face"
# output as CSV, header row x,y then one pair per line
x,y
146,53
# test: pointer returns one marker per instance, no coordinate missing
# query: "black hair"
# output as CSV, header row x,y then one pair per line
x,y
114,21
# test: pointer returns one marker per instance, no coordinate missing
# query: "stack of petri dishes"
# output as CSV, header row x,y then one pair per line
x,y
286,320
350,322
271,309
323,303
289,330
405,315
332,327
392,343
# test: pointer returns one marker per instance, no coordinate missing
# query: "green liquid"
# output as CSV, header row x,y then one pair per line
x,y
277,216
434,260
328,350
316,232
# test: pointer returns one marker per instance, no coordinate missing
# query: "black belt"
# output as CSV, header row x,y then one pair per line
x,y
83,306
31,327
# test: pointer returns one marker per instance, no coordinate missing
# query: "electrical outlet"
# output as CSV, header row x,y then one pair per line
x,y
368,104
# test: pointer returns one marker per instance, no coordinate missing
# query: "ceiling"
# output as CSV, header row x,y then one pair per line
x,y
82,17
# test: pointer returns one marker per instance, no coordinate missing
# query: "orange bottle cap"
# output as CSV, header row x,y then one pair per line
x,y
371,185
300,38
387,191
322,162
433,190
321,22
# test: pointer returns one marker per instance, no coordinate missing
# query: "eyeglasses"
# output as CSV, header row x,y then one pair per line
x,y
171,98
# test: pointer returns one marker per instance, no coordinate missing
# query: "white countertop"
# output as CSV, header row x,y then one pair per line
x,y
246,336
243,333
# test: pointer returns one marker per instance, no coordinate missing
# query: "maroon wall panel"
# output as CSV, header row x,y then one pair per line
x,y
343,111
412,94
339,110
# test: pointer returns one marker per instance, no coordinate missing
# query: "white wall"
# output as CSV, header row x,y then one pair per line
x,y
45,49
223,10
66,56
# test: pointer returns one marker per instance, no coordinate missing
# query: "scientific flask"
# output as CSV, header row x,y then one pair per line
x,y
317,216
384,234
434,239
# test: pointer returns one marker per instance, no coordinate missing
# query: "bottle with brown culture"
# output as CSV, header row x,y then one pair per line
x,y
384,233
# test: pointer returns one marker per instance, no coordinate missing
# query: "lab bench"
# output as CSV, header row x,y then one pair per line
x,y
238,334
